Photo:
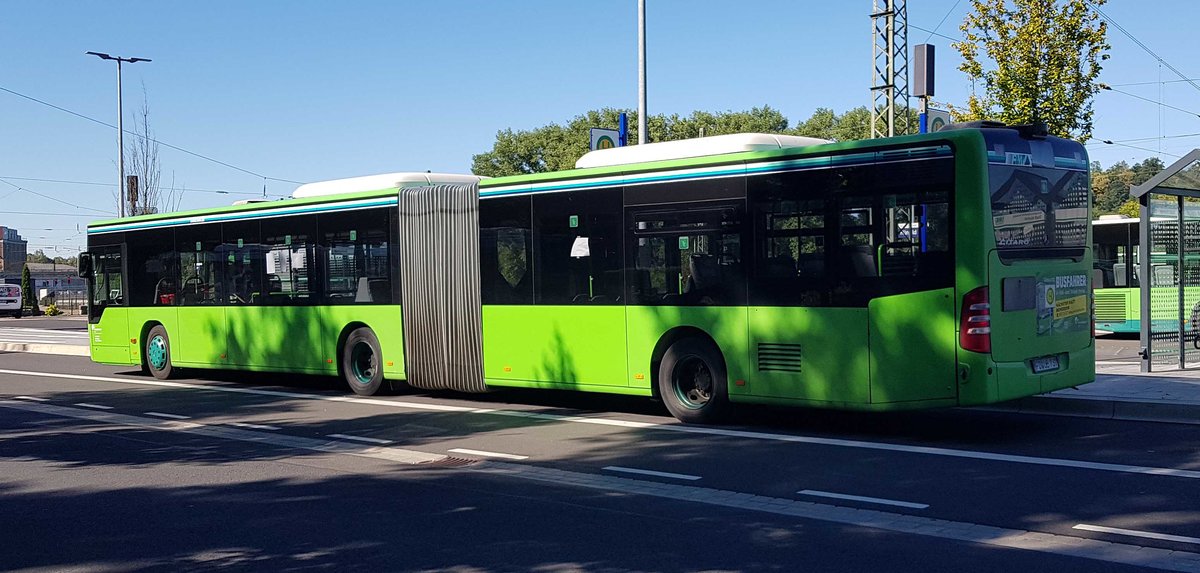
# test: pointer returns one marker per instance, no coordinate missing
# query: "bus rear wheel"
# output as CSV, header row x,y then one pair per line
x,y
362,362
157,353
692,382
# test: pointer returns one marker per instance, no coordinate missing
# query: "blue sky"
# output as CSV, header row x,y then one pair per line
x,y
307,91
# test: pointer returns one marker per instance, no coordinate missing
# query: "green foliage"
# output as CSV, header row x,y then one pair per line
x,y
28,301
37,257
556,147
1129,209
52,310
1110,187
824,123
1037,61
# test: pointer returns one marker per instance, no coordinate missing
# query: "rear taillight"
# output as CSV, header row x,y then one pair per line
x,y
975,331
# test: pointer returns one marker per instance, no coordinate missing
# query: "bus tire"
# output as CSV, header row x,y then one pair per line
x,y
156,355
362,362
692,382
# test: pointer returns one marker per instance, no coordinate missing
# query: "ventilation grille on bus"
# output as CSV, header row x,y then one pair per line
x,y
1110,306
776,357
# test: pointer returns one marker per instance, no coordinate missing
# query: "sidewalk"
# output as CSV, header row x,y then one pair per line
x,y
1123,392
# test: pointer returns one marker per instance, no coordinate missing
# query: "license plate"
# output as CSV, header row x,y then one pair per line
x,y
1045,364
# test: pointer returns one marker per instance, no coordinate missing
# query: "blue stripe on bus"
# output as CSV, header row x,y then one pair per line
x,y
242,216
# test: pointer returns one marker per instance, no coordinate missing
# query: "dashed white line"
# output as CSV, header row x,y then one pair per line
x,y
34,398
253,426
1136,533
863,499
651,473
95,406
484,454
165,415
360,439
667,427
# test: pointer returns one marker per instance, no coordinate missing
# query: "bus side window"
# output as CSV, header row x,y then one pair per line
x,y
505,258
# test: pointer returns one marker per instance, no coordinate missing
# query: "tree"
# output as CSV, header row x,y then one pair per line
x,y
826,124
556,147
29,303
1038,60
141,159
37,256
1110,187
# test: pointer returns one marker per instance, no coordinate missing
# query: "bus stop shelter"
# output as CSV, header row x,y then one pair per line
x,y
1169,255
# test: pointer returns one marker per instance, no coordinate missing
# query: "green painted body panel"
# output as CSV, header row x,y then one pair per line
x,y
913,345
109,337
833,346
727,326
284,339
571,345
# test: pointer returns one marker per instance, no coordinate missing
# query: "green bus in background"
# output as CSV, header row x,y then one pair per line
x,y
1115,242
932,270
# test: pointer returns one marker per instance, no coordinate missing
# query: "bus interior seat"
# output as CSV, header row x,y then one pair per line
x,y
706,274
1118,276
363,292
781,266
381,289
860,261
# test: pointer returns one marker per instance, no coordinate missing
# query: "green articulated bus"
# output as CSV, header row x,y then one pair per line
x,y
932,270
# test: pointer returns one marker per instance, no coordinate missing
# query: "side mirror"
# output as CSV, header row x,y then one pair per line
x,y
85,265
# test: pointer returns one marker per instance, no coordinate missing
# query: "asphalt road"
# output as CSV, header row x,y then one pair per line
x,y
103,469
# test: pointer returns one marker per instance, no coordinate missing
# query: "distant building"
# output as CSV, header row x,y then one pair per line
x,y
12,251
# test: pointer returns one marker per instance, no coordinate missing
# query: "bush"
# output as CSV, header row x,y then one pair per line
x,y
52,310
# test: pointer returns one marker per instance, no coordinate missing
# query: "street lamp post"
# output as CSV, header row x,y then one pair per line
x,y
120,131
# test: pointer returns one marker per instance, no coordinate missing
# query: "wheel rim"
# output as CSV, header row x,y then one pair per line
x,y
693,382
362,362
156,351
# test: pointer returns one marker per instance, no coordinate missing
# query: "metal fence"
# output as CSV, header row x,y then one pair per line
x,y
67,302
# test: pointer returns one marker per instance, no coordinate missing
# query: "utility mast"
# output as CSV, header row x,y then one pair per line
x,y
889,84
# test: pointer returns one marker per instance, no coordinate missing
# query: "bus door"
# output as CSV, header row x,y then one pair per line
x,y
910,316
108,325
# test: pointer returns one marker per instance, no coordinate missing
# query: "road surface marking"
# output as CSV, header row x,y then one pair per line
x,y
34,398
863,499
650,473
165,415
411,457
1080,547
667,427
360,439
96,406
488,454
252,426
1136,533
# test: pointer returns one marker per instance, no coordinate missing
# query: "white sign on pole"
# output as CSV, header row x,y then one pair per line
x,y
604,138
937,119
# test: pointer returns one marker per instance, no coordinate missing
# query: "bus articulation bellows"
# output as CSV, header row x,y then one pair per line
x,y
922,271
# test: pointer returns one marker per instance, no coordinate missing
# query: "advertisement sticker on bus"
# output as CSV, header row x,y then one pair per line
x,y
1062,304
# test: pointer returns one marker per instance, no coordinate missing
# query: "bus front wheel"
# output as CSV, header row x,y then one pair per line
x,y
157,353
362,362
692,382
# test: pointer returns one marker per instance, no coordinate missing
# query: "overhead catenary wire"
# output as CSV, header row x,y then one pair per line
x,y
1107,87
1095,142
934,32
151,139
99,184
1147,49
55,199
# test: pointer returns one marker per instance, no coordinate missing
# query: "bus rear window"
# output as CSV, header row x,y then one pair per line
x,y
1039,212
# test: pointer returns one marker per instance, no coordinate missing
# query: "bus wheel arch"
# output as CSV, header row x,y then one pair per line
x,y
156,351
686,347
142,337
360,359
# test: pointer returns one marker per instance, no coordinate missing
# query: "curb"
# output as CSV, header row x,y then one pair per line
x,y
60,349
1106,408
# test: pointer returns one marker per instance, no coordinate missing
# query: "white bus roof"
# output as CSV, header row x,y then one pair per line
x,y
383,181
698,147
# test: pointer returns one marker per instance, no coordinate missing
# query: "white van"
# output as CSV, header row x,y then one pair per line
x,y
10,300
